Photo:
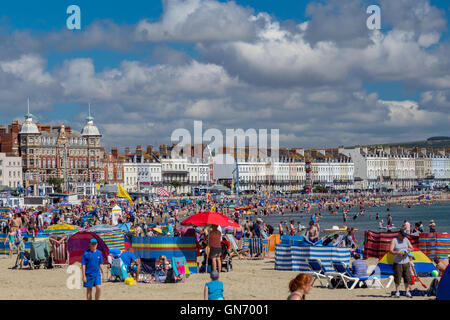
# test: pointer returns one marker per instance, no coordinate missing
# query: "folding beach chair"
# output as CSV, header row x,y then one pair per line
x,y
235,250
148,268
256,246
60,253
318,272
346,276
39,253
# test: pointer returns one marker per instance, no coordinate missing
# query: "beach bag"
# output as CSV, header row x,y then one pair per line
x,y
433,287
119,269
171,278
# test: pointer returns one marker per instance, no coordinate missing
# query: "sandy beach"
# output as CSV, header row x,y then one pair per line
x,y
249,280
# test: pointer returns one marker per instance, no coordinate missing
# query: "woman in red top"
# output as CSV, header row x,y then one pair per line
x,y
215,252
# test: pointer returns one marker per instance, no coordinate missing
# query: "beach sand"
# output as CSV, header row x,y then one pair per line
x,y
249,280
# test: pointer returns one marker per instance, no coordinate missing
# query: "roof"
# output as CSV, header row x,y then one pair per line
x,y
29,127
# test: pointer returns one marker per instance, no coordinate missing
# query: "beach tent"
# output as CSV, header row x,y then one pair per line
x,y
376,244
154,247
79,243
435,244
443,291
422,263
116,214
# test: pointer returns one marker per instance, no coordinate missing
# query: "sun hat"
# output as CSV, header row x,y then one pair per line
x,y
403,232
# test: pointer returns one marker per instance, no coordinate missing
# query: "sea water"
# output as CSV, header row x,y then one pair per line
x,y
439,212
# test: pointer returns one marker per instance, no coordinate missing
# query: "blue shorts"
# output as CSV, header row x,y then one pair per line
x,y
93,281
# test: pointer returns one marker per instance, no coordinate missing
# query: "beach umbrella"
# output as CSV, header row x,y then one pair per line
x,y
60,230
157,230
209,217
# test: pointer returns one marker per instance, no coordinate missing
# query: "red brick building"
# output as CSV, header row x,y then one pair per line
x,y
55,152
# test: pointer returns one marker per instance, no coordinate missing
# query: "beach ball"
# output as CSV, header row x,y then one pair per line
x,y
25,262
434,273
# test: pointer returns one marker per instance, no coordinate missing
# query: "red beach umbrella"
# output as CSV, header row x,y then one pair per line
x,y
210,217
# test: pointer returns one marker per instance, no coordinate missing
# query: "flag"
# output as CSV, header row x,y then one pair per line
x,y
208,197
163,192
122,193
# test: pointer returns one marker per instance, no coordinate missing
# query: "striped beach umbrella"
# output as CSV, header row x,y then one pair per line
x,y
60,230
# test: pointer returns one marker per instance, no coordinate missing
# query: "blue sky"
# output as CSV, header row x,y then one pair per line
x,y
421,92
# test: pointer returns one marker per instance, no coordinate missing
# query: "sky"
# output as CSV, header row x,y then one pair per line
x,y
311,69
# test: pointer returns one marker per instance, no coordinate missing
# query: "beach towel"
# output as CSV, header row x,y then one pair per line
x,y
179,265
376,244
435,244
39,250
154,247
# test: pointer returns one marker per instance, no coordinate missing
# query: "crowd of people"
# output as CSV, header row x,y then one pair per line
x,y
147,218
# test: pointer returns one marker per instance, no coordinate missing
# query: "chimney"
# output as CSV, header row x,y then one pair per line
x,y
138,150
127,151
149,149
114,152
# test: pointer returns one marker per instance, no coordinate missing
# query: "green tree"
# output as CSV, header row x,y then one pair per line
x,y
56,183
176,184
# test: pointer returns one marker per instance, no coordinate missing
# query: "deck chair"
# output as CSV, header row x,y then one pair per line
x,y
60,253
235,250
39,253
148,268
256,247
346,276
318,272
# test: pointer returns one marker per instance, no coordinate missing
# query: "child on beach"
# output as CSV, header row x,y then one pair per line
x,y
21,247
92,261
214,289
300,287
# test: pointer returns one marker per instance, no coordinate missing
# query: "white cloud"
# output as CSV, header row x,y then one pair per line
x,y
197,20
28,68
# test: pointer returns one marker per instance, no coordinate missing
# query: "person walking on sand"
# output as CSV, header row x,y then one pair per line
x,y
91,262
400,248
300,287
432,226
